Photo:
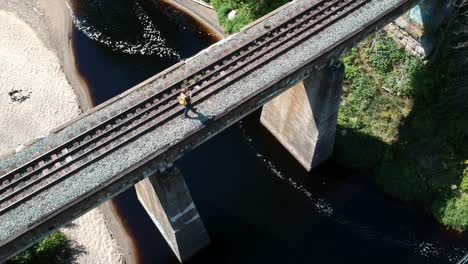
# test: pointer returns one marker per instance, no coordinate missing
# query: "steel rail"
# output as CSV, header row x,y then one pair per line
x,y
69,151
51,152
206,96
46,220
463,260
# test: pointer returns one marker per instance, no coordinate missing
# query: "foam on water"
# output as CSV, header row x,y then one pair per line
x,y
428,249
152,43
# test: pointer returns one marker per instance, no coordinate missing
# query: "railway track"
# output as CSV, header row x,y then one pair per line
x,y
463,260
81,150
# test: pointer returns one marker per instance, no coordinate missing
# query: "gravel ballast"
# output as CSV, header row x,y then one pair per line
x,y
178,128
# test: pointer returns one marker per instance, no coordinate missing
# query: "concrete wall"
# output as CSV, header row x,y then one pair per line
x,y
428,15
419,28
409,40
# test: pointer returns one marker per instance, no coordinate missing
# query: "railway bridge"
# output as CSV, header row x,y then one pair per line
x,y
288,61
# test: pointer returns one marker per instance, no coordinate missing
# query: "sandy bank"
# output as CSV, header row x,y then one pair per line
x,y
99,244
37,95
50,21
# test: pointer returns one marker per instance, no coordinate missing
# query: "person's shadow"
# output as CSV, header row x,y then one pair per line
x,y
201,117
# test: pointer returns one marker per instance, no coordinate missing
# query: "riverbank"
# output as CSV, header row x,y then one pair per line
x,y
407,120
404,117
201,13
41,90
51,23
35,92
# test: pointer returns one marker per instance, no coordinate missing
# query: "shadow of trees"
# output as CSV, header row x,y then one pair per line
x,y
427,163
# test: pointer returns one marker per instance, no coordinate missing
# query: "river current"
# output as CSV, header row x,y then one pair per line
x,y
257,203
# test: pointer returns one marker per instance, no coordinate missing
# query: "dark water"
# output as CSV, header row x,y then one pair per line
x,y
110,69
257,203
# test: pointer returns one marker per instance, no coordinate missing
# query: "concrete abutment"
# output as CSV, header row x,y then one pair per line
x,y
168,202
420,30
434,14
304,117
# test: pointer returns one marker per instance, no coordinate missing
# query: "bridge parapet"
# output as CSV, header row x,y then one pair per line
x,y
245,91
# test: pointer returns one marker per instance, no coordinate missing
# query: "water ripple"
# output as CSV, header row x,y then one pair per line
x,y
428,249
151,43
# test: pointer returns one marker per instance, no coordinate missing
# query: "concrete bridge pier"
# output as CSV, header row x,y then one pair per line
x,y
303,118
434,13
168,202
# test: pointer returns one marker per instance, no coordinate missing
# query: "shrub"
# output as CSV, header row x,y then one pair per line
x,y
464,183
247,11
452,211
400,81
55,249
385,54
352,68
409,116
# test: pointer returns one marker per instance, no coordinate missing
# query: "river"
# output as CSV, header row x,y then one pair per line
x,y
257,203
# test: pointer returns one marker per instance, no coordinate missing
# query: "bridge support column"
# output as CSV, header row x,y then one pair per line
x,y
304,117
433,15
167,201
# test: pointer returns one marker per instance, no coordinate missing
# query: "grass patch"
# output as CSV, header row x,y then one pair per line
x,y
408,120
400,119
452,210
247,11
370,106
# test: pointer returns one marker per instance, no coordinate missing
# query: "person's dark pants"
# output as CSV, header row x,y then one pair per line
x,y
188,107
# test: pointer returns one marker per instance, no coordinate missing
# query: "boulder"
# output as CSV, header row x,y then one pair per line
x,y
232,14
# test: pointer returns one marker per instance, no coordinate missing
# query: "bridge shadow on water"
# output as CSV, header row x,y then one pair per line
x,y
260,206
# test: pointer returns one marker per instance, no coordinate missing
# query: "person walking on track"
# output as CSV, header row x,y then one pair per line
x,y
185,98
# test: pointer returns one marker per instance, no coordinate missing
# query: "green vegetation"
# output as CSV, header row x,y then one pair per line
x,y
377,97
247,11
55,249
409,122
401,119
